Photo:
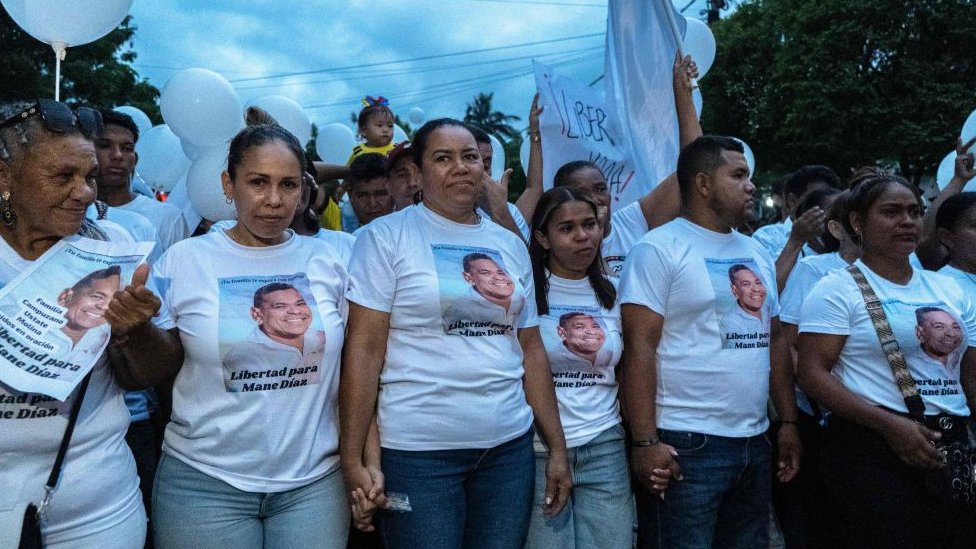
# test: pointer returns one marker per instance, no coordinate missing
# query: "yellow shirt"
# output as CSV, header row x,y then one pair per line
x,y
332,216
362,148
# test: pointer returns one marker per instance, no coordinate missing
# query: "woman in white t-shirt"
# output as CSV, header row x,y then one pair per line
x,y
580,322
47,180
444,347
875,456
250,456
955,225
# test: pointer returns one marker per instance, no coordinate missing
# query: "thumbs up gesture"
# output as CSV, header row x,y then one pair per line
x,y
132,306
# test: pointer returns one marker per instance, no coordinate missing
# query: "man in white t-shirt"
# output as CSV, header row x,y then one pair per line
x,y
939,335
491,298
583,338
696,407
117,158
751,314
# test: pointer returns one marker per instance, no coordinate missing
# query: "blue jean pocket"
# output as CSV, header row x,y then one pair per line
x,y
685,442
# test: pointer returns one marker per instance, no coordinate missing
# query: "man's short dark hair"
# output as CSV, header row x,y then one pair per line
x,y
703,155
564,319
922,311
475,256
800,181
270,288
366,167
481,137
738,267
89,280
121,119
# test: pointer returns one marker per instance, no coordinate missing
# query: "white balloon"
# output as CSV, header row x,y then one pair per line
x,y
204,189
969,130
696,98
138,185
67,22
178,197
524,154
289,114
192,151
201,107
699,43
399,136
498,160
161,158
140,118
416,116
750,157
946,170
334,143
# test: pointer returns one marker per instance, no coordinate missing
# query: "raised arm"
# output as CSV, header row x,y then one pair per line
x,y
930,251
663,203
533,178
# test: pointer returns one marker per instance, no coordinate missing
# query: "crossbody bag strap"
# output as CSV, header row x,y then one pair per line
x,y
889,345
52,479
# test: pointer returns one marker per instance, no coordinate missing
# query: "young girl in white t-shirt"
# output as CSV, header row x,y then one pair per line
x,y
875,456
580,322
955,225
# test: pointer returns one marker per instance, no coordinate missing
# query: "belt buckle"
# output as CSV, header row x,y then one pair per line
x,y
945,422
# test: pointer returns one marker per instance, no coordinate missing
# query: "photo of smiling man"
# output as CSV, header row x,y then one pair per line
x,y
747,322
582,338
939,337
490,304
281,346
85,330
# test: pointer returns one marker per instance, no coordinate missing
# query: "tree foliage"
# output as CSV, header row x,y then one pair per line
x,y
97,74
480,113
844,83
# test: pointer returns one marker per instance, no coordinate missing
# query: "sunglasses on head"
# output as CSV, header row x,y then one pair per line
x,y
59,118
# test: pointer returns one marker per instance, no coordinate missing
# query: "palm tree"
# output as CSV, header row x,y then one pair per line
x,y
479,113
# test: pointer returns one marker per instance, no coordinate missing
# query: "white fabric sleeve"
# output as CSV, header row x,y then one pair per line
x,y
529,317
159,283
372,278
646,279
797,286
828,309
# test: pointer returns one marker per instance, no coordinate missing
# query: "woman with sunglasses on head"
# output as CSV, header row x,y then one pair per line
x,y
875,455
580,323
250,456
47,180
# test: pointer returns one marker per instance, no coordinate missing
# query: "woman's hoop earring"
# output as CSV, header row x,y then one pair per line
x,y
228,200
7,214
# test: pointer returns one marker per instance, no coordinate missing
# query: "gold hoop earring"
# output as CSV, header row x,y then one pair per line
x,y
7,214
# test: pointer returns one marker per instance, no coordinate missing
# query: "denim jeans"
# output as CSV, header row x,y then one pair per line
x,y
600,512
722,502
191,509
471,498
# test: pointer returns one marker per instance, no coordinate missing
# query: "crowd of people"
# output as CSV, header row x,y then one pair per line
x,y
433,364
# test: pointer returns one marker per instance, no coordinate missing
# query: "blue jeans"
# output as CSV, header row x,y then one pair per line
x,y
722,502
191,509
472,498
600,512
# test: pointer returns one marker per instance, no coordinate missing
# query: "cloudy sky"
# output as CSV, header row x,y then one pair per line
x,y
328,54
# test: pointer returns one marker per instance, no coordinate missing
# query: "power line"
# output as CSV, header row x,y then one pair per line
x,y
422,58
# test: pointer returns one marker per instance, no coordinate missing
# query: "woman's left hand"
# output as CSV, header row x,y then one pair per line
x,y
133,306
558,484
789,450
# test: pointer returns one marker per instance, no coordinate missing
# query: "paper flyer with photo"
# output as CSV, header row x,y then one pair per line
x,y
52,323
479,296
271,335
577,342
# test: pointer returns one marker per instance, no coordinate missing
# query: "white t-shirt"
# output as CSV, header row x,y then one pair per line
x,y
99,488
169,222
627,226
773,237
340,241
836,306
266,422
446,387
709,381
584,343
805,275
517,216
967,281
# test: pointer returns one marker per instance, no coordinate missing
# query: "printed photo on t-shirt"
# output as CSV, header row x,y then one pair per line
x,y
479,296
935,351
576,340
741,302
271,337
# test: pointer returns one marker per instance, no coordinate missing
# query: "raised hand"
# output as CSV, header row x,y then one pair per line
x,y
133,306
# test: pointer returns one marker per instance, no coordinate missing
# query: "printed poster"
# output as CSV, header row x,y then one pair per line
x,y
52,316
271,336
577,342
479,296
741,298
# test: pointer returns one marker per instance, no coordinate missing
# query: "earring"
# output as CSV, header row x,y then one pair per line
x,y
228,200
7,214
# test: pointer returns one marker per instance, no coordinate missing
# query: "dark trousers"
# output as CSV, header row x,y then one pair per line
x,y
145,446
799,504
875,500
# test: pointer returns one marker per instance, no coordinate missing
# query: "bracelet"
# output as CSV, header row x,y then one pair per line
x,y
645,443
789,422
535,137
